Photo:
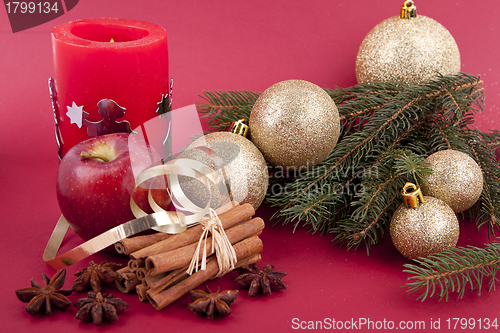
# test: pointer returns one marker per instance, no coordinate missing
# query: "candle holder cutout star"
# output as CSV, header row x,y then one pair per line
x,y
76,114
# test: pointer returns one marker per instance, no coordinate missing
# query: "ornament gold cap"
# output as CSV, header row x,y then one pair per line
x,y
240,127
412,196
408,10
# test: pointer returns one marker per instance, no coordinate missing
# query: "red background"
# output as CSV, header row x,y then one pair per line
x,y
223,45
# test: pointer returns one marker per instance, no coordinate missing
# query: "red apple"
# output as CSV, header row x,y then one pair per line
x,y
96,179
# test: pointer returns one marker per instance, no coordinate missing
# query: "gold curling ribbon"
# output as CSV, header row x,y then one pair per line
x,y
103,240
183,167
161,220
224,251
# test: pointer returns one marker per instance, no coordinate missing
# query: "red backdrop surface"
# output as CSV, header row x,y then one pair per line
x,y
223,45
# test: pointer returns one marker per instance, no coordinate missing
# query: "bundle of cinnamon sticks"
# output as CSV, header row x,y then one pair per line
x,y
157,269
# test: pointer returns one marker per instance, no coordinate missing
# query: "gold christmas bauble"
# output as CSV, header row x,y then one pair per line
x,y
246,168
456,179
428,228
410,50
294,123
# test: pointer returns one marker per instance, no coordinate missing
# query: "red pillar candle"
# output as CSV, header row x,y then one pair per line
x,y
132,70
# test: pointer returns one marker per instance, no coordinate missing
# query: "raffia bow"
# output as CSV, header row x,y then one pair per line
x,y
224,251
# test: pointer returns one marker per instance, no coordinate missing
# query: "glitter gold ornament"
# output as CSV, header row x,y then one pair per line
x,y
422,226
247,169
408,49
456,179
294,123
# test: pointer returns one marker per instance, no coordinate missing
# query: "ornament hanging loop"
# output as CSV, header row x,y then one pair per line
x,y
408,10
412,195
240,127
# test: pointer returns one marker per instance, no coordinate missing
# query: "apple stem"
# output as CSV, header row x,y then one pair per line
x,y
85,155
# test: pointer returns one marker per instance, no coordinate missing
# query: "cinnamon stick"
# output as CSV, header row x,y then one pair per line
x,y
129,245
127,282
246,248
122,271
153,281
141,273
191,235
180,257
142,292
163,279
248,261
181,274
135,264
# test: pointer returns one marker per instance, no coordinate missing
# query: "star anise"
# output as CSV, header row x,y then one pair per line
x,y
206,302
266,279
47,296
97,305
94,275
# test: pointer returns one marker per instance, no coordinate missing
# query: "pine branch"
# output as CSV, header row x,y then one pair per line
x,y
374,204
222,108
376,120
487,208
492,139
455,270
373,97
385,125
390,126
379,90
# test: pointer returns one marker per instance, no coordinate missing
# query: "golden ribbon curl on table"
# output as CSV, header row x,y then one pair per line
x,y
161,220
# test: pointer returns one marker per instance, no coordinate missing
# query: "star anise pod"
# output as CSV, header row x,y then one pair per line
x,y
206,302
94,275
97,305
266,279
47,296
